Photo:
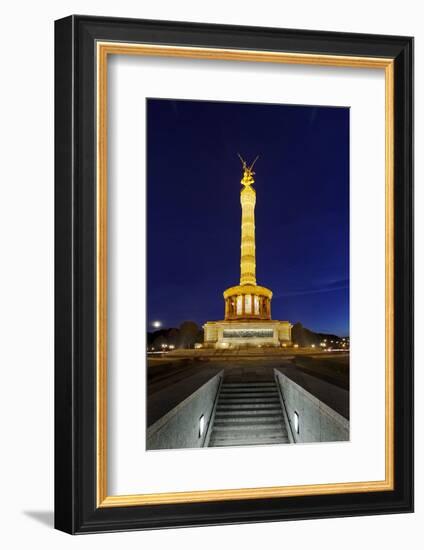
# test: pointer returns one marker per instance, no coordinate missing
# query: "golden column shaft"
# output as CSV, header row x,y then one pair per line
x,y
248,250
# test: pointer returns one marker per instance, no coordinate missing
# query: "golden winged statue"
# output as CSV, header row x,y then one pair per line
x,y
248,172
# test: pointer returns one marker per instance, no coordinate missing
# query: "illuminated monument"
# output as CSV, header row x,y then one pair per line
x,y
247,306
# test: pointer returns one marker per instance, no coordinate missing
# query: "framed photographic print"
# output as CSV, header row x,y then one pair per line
x,y
233,272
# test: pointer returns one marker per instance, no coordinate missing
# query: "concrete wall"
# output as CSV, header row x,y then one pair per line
x,y
317,421
179,428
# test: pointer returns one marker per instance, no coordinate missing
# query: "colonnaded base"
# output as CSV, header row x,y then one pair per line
x,y
244,334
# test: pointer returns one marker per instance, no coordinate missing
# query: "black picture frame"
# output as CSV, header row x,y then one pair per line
x,y
76,508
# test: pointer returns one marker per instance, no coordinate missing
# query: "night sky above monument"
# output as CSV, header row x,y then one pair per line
x,y
302,209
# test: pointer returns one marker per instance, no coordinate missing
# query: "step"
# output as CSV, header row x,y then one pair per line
x,y
254,413
249,419
246,419
248,391
246,442
231,425
252,397
257,430
249,394
251,406
246,434
257,399
227,385
253,387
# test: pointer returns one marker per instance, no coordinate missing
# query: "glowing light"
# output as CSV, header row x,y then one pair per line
x,y
296,421
156,324
296,346
201,425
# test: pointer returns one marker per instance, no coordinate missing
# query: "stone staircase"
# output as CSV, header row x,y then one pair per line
x,y
248,413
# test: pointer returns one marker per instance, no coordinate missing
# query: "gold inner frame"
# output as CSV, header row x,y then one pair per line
x,y
104,49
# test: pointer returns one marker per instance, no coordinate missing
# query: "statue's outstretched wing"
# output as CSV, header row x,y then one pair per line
x,y
243,162
253,163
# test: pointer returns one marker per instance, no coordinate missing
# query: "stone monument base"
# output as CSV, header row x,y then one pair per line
x,y
248,333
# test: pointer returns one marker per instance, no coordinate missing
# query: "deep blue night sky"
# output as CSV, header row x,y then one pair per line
x,y
302,209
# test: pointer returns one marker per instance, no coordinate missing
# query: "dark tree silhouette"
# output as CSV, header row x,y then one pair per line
x,y
158,341
188,334
173,337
